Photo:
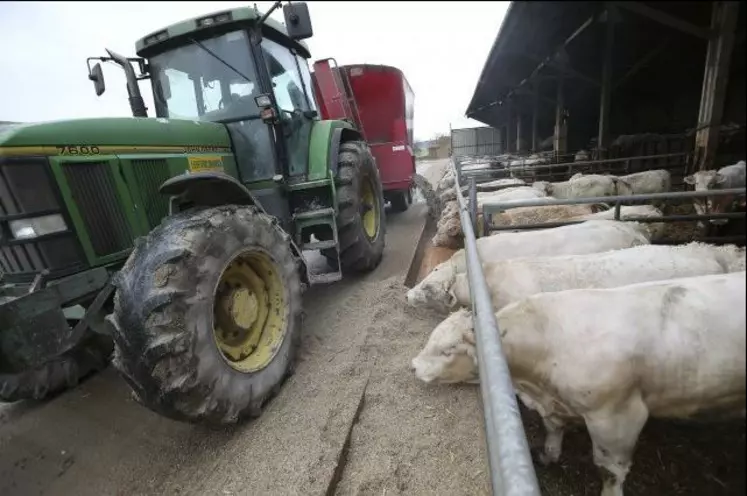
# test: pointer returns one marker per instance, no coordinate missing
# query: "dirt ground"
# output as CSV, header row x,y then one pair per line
x,y
353,420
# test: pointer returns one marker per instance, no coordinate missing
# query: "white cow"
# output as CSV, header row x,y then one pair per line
x,y
612,358
514,279
512,185
593,236
656,229
449,226
585,186
582,156
447,180
731,176
449,194
650,181
542,214
498,184
645,182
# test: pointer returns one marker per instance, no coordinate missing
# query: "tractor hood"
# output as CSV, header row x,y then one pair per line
x,y
125,131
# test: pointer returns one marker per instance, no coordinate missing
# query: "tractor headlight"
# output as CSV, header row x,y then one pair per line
x,y
37,226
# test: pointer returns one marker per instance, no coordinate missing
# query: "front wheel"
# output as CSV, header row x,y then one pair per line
x,y
361,221
207,315
58,374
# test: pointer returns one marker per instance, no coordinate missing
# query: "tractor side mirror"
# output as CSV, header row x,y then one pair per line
x,y
297,20
97,76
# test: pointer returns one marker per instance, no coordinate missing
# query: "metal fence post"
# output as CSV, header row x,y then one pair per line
x,y
473,201
511,467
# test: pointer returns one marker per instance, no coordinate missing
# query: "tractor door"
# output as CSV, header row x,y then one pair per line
x,y
291,86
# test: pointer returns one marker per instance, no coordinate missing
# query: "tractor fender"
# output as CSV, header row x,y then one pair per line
x,y
208,189
212,189
340,135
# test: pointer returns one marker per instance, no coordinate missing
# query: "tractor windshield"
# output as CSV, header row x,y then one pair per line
x,y
210,80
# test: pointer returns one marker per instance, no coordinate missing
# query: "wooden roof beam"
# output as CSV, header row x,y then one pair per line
x,y
680,24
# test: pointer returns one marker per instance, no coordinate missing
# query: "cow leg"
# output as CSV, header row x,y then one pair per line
x,y
554,430
614,433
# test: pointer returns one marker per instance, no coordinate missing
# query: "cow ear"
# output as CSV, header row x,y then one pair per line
x,y
690,180
452,298
719,178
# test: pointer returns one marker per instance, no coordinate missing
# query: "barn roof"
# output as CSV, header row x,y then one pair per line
x,y
530,32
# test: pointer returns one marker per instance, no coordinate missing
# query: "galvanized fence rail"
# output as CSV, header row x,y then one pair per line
x,y
511,468
488,209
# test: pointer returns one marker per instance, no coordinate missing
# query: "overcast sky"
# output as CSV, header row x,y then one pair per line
x,y
440,46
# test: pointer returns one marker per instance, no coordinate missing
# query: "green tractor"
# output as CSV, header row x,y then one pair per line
x,y
186,237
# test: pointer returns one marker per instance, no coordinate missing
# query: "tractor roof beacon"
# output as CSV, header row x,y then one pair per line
x,y
189,231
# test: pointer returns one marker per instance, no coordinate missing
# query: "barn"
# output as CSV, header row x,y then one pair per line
x,y
618,79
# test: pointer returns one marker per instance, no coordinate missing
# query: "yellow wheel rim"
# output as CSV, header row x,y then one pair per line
x,y
369,209
249,314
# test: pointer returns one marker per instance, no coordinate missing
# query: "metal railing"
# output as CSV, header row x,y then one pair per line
x,y
531,168
488,209
511,468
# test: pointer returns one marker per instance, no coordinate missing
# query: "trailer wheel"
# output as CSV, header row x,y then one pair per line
x,y
400,200
62,373
207,315
361,222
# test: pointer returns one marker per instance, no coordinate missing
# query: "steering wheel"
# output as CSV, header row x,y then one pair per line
x,y
232,98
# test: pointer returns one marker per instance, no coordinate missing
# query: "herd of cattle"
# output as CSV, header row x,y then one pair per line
x,y
449,229
598,325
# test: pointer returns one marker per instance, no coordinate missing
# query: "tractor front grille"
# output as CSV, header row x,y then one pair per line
x,y
28,190
150,174
94,192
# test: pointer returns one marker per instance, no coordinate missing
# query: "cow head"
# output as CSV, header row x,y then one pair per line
x,y
706,181
450,355
434,291
544,187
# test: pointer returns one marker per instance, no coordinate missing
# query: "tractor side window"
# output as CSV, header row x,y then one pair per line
x,y
286,80
306,75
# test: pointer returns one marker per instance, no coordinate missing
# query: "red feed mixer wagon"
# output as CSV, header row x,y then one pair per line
x,y
378,100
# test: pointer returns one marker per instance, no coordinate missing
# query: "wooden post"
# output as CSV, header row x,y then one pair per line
x,y
713,95
535,112
519,134
559,145
606,89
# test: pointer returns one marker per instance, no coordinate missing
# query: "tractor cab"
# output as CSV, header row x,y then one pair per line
x,y
238,68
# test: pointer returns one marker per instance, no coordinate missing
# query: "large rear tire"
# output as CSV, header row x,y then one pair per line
x,y
361,221
207,315
59,374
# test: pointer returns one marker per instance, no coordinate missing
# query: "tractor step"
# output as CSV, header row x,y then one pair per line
x,y
315,214
325,278
319,245
326,217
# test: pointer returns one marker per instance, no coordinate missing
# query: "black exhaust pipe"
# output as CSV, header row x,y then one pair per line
x,y
137,105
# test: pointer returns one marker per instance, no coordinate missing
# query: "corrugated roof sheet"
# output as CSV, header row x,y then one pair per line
x,y
530,32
